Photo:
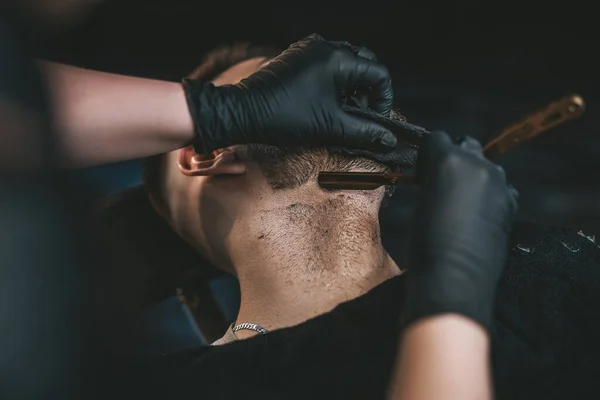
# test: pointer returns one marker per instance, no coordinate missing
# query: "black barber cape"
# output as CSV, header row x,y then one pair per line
x,y
545,342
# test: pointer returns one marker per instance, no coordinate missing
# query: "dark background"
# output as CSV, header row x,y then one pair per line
x,y
467,67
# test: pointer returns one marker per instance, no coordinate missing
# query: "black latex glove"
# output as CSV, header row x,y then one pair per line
x,y
296,100
460,234
409,137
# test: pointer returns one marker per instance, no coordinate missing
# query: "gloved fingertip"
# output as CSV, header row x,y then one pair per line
x,y
514,192
513,195
389,140
440,137
381,145
314,36
439,134
460,139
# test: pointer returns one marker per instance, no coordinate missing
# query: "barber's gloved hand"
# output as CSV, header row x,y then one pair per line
x,y
460,233
296,100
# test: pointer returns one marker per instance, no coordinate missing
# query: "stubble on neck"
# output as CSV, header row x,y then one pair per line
x,y
302,259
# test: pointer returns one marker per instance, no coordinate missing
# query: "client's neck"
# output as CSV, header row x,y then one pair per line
x,y
302,260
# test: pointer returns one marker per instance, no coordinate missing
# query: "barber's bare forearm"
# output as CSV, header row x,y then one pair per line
x,y
443,357
103,118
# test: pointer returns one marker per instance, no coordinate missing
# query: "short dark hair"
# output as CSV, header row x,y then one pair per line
x,y
282,167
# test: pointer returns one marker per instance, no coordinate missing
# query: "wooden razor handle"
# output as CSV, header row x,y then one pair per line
x,y
556,113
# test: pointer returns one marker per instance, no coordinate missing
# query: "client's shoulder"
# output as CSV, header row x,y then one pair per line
x,y
545,254
545,336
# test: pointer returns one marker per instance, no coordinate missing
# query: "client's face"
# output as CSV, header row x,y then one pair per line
x,y
207,195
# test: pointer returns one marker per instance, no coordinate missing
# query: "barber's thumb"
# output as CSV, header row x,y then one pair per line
x,y
428,150
513,195
368,135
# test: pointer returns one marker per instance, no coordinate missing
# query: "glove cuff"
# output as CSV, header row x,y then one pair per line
x,y
426,299
201,99
408,318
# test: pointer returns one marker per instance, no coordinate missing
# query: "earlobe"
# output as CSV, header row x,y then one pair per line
x,y
220,162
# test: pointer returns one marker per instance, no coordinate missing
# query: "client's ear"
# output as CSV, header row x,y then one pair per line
x,y
220,162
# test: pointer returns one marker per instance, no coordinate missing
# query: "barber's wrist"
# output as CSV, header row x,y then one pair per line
x,y
215,112
444,322
195,99
172,115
